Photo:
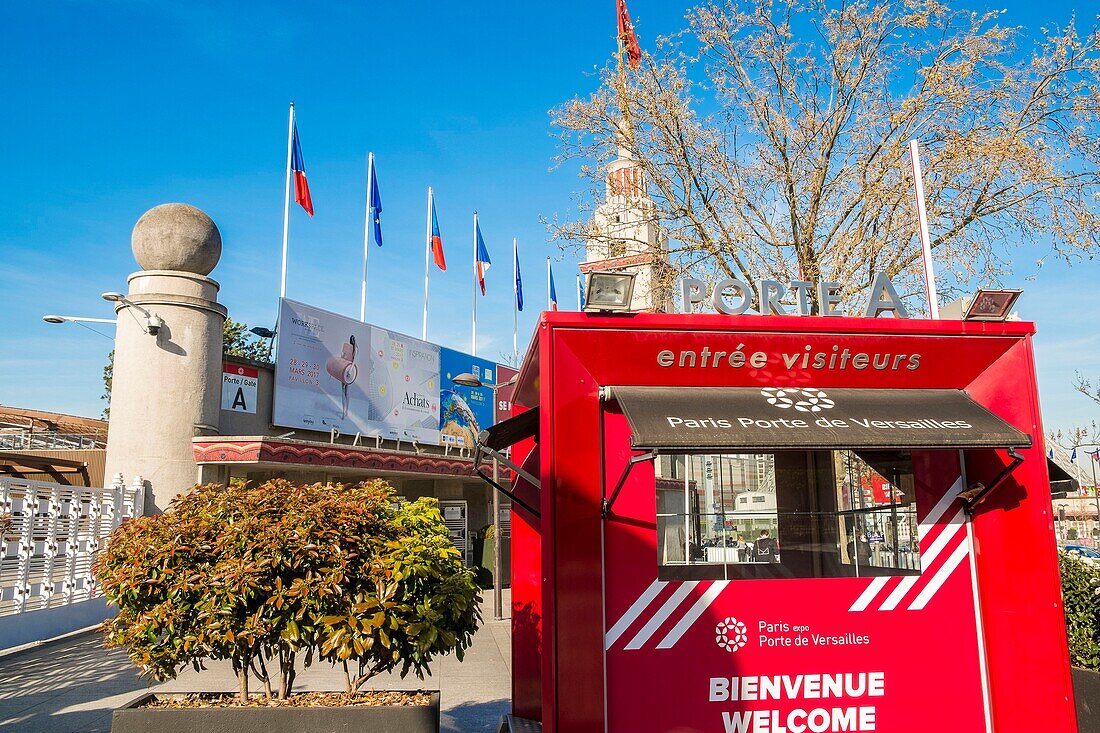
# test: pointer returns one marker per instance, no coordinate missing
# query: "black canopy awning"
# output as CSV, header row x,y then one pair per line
x,y
717,419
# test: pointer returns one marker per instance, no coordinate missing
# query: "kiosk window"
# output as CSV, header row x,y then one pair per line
x,y
788,514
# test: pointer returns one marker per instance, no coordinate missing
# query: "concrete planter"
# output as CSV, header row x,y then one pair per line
x,y
1086,693
132,718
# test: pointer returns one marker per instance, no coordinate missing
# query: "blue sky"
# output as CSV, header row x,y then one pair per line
x,y
114,107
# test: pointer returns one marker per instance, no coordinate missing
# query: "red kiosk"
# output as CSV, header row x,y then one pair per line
x,y
782,524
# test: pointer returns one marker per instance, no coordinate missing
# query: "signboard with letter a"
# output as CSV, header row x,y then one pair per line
x,y
239,384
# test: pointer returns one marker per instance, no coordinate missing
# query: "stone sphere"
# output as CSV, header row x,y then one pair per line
x,y
176,237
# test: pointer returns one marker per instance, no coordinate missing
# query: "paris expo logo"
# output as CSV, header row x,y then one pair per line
x,y
806,399
730,634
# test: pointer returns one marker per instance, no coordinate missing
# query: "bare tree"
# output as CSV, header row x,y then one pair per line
x,y
1086,387
773,134
1077,436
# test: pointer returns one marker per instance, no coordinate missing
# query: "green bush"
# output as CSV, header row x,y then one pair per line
x,y
1080,583
259,575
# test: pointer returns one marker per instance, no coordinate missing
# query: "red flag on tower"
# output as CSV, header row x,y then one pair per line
x,y
627,39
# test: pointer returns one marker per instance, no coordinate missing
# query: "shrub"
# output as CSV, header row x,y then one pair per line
x,y
1080,583
259,575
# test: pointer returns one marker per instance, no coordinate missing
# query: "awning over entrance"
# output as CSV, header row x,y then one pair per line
x,y
715,419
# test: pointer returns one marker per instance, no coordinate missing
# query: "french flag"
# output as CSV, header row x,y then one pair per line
x,y
298,165
483,262
437,242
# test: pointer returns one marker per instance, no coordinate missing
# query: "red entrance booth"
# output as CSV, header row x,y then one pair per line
x,y
782,524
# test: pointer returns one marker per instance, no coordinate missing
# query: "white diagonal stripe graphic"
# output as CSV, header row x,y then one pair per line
x,y
949,531
868,595
693,614
940,509
633,613
894,598
662,614
941,576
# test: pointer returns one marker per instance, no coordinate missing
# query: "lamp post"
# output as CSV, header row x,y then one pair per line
x,y
1095,493
467,379
1095,533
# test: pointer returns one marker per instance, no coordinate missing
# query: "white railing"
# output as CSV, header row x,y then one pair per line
x,y
49,440
50,535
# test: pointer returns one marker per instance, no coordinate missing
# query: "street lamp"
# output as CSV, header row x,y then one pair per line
x,y
80,321
264,333
153,322
52,318
466,379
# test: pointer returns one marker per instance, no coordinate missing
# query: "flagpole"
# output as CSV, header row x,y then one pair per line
x,y
286,199
922,224
515,302
427,262
549,301
579,306
473,331
366,239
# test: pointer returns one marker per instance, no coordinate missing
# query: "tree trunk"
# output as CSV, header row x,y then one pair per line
x,y
286,673
242,680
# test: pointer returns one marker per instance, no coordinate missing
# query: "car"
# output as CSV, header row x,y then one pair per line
x,y
1087,554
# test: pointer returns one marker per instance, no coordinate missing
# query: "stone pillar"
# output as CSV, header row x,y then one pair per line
x,y
168,353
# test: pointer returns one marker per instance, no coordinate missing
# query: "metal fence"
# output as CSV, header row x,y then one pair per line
x,y
49,440
51,534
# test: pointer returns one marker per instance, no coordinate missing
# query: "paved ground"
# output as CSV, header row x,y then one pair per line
x,y
72,685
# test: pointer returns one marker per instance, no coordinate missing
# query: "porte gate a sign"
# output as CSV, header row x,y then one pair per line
x,y
733,297
239,385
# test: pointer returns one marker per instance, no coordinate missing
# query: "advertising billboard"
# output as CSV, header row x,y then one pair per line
x,y
334,372
465,411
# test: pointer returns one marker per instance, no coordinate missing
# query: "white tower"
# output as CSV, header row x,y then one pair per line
x,y
626,237
168,353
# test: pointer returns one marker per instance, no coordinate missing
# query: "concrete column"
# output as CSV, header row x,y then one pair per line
x,y
167,376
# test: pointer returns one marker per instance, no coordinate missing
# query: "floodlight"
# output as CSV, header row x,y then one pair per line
x,y
991,305
609,291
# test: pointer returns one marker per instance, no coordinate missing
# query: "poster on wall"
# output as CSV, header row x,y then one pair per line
x,y
506,379
465,411
334,372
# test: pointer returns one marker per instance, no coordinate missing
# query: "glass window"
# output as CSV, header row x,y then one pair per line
x,y
790,514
